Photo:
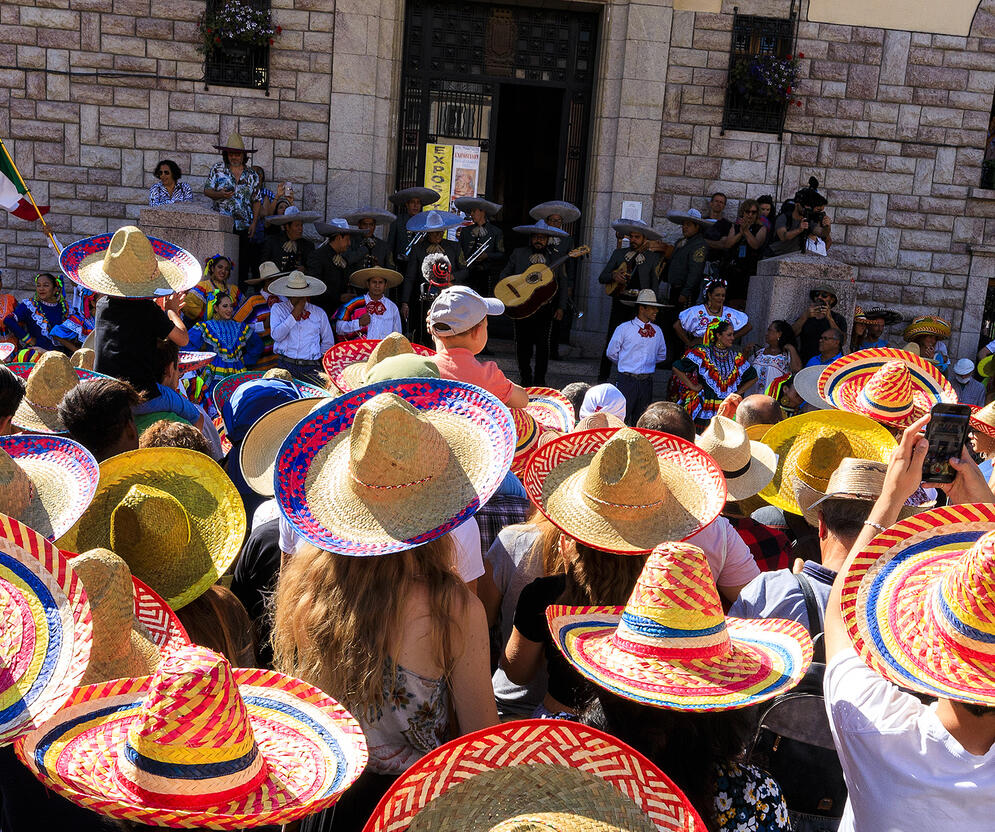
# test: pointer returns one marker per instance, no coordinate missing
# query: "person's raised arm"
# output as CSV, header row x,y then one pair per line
x,y
797,325
519,396
172,306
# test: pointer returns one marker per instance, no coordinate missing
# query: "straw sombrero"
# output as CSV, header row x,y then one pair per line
x,y
551,409
225,388
164,500
536,774
127,264
199,744
257,456
46,383
672,647
859,479
191,360
46,481
347,363
528,433
919,607
83,358
625,490
361,277
983,419
235,142
393,465
814,443
296,284
47,632
926,325
748,465
891,386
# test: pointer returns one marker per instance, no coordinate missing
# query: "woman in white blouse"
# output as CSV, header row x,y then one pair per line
x,y
691,324
300,330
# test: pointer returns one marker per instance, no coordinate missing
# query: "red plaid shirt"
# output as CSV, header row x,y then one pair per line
x,y
770,547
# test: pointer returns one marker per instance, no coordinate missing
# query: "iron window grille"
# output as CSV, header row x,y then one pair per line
x,y
237,64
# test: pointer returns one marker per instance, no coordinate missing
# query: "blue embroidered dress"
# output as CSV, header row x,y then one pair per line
x,y
34,319
236,343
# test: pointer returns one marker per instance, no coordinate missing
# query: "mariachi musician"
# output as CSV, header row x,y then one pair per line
x,y
532,333
482,240
408,203
367,250
329,263
629,269
433,225
558,214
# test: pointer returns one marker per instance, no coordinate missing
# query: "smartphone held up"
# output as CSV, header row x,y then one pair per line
x,y
947,435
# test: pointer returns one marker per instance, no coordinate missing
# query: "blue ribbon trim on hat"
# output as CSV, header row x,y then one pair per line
x,y
652,629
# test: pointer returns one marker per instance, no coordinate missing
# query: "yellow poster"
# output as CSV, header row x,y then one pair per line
x,y
439,172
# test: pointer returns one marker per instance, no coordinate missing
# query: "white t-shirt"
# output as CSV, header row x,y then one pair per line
x,y
903,769
729,558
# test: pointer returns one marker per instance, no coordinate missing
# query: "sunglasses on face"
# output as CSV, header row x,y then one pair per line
x,y
162,172
822,296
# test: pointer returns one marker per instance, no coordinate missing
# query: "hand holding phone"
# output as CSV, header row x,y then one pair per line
x,y
946,434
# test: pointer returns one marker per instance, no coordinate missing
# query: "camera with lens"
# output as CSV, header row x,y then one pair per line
x,y
812,203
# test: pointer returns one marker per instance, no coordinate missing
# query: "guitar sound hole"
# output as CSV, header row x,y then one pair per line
x,y
533,278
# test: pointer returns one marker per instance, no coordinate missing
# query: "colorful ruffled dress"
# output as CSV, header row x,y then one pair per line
x,y
33,319
720,373
236,343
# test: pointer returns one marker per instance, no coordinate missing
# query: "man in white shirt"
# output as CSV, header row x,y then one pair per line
x,y
910,766
300,330
636,347
381,317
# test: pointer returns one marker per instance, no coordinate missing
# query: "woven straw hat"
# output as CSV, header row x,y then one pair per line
x,y
297,285
816,459
566,210
362,277
47,630
347,362
891,386
191,360
919,607
46,482
127,264
155,501
756,432
672,647
226,388
926,325
535,775
748,466
983,419
813,444
806,384
235,142
199,744
46,383
551,408
858,479
986,365
83,358
625,490
393,465
257,456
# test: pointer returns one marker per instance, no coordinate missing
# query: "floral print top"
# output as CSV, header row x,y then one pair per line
x,y
747,799
158,195
239,206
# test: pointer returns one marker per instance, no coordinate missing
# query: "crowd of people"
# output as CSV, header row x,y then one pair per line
x,y
271,557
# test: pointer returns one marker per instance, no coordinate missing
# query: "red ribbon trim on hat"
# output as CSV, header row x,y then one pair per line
x,y
653,651
621,505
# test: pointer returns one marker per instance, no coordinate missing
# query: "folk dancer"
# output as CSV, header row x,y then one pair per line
x,y
533,333
329,263
559,214
409,203
472,238
255,311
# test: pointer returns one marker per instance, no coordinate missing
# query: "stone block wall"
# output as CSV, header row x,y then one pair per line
x,y
892,123
104,89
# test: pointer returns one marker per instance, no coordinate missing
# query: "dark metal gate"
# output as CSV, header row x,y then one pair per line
x,y
457,55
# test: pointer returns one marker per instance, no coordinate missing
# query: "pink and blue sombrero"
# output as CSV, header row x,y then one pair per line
x,y
22,369
919,604
191,360
672,647
46,629
6,350
426,455
225,388
891,386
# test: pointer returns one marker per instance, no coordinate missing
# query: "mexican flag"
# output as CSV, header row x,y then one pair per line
x,y
12,191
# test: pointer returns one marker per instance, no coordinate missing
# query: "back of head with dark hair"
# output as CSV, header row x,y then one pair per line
x,y
167,353
11,392
668,417
766,199
97,414
218,620
576,392
169,434
845,518
786,335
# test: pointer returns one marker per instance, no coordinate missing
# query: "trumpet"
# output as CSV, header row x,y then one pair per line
x,y
414,241
480,250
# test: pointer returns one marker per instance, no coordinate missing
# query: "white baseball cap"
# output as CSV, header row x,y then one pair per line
x,y
459,308
964,367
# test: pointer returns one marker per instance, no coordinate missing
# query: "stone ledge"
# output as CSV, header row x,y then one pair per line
x,y
984,251
981,193
803,265
194,216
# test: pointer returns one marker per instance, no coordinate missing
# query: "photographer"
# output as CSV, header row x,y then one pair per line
x,y
800,218
815,320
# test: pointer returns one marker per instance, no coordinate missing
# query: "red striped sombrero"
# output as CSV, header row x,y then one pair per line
x,y
150,749
535,774
891,386
551,409
191,360
919,603
226,388
672,647
346,363
983,419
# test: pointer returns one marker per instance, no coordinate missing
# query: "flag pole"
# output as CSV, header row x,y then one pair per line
x,y
27,190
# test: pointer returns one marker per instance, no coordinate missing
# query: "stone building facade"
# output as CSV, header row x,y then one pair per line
x,y
93,93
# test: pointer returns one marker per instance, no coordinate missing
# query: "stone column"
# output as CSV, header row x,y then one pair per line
x,y
965,342
193,226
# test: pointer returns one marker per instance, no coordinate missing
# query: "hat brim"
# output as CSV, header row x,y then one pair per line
x,y
986,365
757,476
554,482
287,218
527,435
978,425
426,195
212,504
889,316
886,596
678,217
220,147
345,362
867,439
83,263
313,288
419,222
806,384
51,631
548,231
536,742
379,217
842,382
937,328
636,302
768,657
64,475
161,621
361,277
191,360
257,455
627,228
225,389
466,204
37,418
318,497
544,210
326,229
312,747
550,408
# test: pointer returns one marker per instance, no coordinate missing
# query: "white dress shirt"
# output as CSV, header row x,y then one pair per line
x,y
303,340
635,352
381,325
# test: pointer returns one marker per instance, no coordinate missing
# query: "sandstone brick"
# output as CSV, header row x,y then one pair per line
x,y
828,70
920,240
846,53
925,56
94,156
917,260
117,24
862,81
49,18
940,78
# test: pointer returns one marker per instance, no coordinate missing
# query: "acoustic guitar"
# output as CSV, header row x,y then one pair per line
x,y
524,294
626,268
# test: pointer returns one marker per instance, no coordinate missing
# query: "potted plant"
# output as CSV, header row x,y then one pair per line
x,y
235,23
766,80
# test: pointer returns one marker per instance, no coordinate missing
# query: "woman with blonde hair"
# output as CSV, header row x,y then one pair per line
x,y
373,611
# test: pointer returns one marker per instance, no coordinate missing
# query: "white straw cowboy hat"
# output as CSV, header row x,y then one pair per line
x,y
646,297
297,285
46,383
127,264
267,271
361,277
748,466
290,215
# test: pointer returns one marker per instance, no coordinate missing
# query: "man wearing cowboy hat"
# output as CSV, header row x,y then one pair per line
x,y
301,330
533,332
288,247
816,319
381,317
636,347
408,203
627,271
367,249
473,237
330,263
687,263
234,187
557,213
876,320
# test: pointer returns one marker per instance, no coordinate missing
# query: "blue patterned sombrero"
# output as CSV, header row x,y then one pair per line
x,y
428,453
225,388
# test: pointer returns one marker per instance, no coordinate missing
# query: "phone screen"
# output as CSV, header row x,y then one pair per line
x,y
946,434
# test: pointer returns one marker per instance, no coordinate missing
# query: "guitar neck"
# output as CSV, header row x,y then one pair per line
x,y
559,261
